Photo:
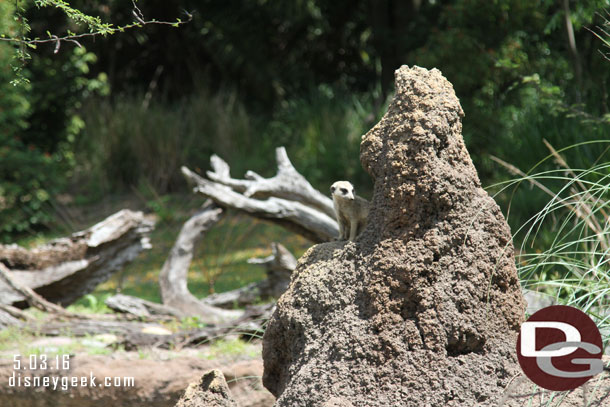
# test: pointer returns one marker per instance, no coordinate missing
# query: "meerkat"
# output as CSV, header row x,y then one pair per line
x,y
351,210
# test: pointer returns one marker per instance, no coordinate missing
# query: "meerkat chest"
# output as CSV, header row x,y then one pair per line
x,y
341,208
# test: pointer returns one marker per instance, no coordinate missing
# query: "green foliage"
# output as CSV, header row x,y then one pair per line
x,y
38,127
91,304
127,145
516,60
232,348
322,133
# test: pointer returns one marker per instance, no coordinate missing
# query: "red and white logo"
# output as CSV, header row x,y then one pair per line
x,y
560,348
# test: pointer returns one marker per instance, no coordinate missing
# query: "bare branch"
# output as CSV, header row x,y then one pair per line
x,y
288,183
305,220
32,298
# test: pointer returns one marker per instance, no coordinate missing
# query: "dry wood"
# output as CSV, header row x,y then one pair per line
x,y
68,268
289,199
136,334
279,266
31,297
7,319
288,183
173,276
139,307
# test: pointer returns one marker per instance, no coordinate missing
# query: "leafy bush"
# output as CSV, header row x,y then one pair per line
x,y
126,144
38,127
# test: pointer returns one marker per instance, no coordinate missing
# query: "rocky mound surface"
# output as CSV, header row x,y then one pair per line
x,y
424,307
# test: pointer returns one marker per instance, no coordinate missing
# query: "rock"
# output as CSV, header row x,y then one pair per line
x,y
211,391
424,307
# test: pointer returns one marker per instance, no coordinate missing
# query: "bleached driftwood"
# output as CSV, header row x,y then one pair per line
x,y
173,276
139,307
11,316
279,265
287,198
65,269
288,183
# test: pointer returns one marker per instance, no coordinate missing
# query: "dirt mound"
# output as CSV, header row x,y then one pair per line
x,y
210,391
424,308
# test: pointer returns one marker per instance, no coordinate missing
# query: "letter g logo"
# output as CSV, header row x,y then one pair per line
x,y
560,348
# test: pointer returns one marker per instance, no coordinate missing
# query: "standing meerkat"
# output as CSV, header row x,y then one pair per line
x,y
351,210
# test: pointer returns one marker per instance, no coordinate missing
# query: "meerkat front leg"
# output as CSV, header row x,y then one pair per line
x,y
353,229
342,232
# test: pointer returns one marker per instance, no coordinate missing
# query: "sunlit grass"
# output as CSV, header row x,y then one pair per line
x,y
564,248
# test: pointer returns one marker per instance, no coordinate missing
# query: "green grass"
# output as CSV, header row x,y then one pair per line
x,y
232,348
564,248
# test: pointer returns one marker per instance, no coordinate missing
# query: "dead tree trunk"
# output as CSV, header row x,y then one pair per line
x,y
173,276
65,269
287,198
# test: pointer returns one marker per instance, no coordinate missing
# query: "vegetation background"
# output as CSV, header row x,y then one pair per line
x,y
108,124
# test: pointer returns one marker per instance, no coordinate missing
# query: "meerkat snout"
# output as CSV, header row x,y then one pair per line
x,y
351,210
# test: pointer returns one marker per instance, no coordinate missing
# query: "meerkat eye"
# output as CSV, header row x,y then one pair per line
x,y
343,191
332,189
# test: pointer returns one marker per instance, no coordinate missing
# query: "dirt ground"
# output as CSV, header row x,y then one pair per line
x,y
155,378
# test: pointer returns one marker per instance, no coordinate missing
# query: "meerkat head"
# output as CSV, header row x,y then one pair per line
x,y
343,189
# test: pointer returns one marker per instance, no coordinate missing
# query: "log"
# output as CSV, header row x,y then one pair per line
x,y
286,199
140,308
11,316
279,266
65,269
33,299
173,276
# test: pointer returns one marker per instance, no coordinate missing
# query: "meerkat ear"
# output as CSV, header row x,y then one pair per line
x,y
332,189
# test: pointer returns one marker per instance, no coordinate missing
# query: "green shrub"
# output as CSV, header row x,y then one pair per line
x,y
38,127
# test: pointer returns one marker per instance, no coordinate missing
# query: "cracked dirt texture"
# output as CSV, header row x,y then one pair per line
x,y
423,309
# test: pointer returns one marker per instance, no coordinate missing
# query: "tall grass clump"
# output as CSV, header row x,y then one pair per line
x,y
564,249
127,143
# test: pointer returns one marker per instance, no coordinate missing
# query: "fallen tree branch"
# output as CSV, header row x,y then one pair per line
x,y
140,308
32,298
173,276
315,222
65,269
288,183
136,334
